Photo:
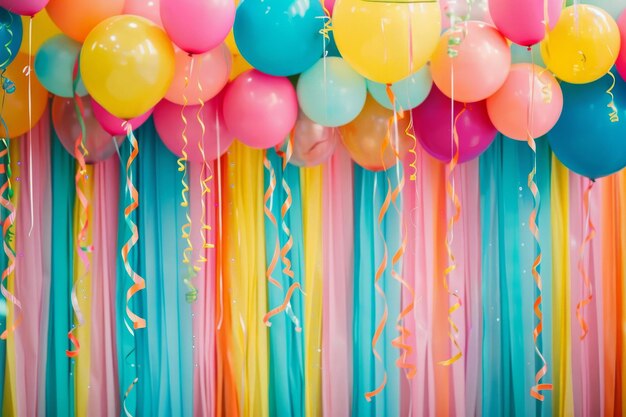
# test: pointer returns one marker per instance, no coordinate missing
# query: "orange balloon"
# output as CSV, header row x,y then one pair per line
x,y
15,112
365,136
76,18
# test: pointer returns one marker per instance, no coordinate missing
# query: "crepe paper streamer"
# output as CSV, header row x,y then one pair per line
x,y
590,232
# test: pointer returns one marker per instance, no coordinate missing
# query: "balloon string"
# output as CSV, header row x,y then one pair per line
x,y
613,115
138,282
590,232
325,31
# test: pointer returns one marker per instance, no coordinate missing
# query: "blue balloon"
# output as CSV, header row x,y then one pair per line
x,y
279,37
589,138
54,66
10,36
409,92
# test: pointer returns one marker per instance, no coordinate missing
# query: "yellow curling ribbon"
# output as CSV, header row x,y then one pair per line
x,y
613,115
325,31
589,235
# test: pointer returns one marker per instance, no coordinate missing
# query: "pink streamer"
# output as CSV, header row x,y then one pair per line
x,y
103,379
338,288
204,348
32,273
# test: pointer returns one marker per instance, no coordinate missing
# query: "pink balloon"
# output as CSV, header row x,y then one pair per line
x,y
479,11
523,22
620,64
112,124
150,9
100,144
329,4
211,69
24,7
480,67
313,144
434,131
197,26
508,108
260,109
169,125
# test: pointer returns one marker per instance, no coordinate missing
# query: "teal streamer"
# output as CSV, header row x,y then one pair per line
x,y
287,385
368,306
59,368
508,289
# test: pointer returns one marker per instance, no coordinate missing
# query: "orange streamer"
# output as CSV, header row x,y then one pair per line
x,y
591,231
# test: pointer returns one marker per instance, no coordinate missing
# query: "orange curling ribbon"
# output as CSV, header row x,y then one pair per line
x,y
138,282
126,394
450,190
589,235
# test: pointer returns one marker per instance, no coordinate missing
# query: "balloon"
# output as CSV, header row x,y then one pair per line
x,y
127,64
612,7
482,64
15,111
433,130
409,92
331,93
150,9
521,54
313,144
100,144
282,39
10,37
365,136
114,125
479,11
76,18
239,66
197,26
583,45
23,7
585,139
509,107
260,109
523,22
329,5
169,125
54,66
43,29
374,37
211,69
620,63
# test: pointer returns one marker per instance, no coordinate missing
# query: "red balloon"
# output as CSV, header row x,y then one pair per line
x,y
523,22
434,131
620,64
114,125
24,7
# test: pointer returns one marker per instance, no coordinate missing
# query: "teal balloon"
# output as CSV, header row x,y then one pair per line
x,y
613,7
10,36
331,93
279,37
54,66
409,92
587,139
521,54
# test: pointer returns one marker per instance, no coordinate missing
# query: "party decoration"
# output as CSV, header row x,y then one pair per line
x,y
620,63
331,93
54,66
127,64
76,18
211,69
480,67
612,7
282,39
525,22
528,92
23,7
10,37
114,125
583,45
100,145
408,93
43,28
372,139
475,10
589,136
15,112
169,126
150,9
401,37
434,127
197,26
313,144
260,109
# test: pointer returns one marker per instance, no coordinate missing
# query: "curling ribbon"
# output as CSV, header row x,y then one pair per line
x,y
325,31
138,282
590,232
613,115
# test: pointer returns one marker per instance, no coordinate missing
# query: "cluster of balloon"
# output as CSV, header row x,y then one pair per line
x,y
408,93
313,144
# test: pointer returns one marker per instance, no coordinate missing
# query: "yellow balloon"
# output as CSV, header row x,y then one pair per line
x,y
583,46
43,29
374,37
127,65
15,111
